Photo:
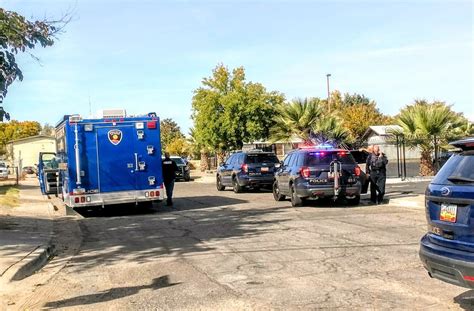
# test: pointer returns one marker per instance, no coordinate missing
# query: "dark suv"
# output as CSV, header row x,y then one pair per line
x,y
249,169
447,250
318,173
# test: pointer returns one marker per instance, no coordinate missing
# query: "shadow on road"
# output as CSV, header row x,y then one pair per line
x,y
108,295
189,228
465,300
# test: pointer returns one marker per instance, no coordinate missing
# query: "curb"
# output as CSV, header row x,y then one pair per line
x,y
407,203
35,260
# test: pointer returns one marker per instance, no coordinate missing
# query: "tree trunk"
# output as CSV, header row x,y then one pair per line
x,y
426,164
220,157
204,161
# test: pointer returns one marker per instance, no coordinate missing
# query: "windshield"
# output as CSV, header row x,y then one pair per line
x,y
261,158
326,157
459,169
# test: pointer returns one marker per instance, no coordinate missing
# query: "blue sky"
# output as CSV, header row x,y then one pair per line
x,y
151,55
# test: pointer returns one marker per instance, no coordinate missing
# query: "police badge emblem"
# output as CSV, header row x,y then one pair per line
x,y
115,136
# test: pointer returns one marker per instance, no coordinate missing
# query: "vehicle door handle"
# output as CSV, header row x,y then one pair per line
x,y
136,161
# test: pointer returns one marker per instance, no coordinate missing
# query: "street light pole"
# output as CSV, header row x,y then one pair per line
x,y
329,94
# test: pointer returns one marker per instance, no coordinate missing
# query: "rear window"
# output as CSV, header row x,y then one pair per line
x,y
177,160
326,157
2,164
261,158
459,169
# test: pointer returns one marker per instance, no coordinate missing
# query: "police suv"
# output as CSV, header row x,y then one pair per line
x,y
318,172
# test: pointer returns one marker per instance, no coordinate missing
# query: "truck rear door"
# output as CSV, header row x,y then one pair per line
x,y
116,159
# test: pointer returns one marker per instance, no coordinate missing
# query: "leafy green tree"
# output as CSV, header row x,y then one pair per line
x,y
228,110
19,35
427,125
170,131
178,146
358,117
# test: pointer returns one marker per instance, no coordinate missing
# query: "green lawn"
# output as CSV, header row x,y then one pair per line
x,y
9,196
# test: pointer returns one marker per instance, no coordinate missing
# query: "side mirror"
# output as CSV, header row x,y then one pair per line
x,y
277,165
221,164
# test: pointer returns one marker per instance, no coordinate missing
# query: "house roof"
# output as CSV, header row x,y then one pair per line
x,y
381,130
37,137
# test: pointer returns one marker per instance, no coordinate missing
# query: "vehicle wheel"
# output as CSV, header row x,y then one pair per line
x,y
219,185
296,201
235,185
187,178
354,201
276,192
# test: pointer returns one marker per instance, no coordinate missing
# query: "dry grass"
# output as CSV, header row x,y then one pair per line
x,y
9,196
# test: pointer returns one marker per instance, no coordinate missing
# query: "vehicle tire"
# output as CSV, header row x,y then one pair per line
x,y
219,185
354,201
296,201
187,178
235,185
276,192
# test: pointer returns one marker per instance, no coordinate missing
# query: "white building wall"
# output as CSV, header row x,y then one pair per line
x,y
25,153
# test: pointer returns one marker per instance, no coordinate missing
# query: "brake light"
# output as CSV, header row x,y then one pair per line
x,y
245,168
305,172
76,200
151,124
469,278
157,193
83,199
357,170
152,194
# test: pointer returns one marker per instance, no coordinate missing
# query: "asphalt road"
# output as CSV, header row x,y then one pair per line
x,y
220,250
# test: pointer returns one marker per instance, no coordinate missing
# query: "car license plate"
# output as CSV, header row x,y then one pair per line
x,y
264,169
448,212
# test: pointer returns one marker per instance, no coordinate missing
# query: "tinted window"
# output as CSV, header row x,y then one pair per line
x,y
287,159
314,158
261,158
229,160
459,165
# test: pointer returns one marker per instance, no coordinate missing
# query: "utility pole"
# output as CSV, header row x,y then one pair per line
x,y
329,93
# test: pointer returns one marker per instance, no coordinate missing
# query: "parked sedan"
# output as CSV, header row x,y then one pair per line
x,y
29,170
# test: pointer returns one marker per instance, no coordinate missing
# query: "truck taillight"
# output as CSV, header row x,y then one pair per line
x,y
357,170
157,193
151,124
305,172
152,193
245,168
76,200
83,199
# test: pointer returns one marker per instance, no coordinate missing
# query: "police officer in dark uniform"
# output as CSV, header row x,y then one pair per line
x,y
169,169
377,170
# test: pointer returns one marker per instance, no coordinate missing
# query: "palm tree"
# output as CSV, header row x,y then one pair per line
x,y
328,130
427,125
295,119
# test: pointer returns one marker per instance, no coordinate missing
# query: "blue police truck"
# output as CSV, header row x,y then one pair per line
x,y
112,159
